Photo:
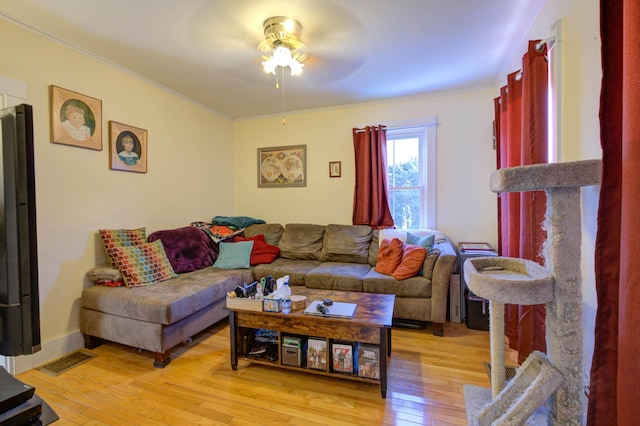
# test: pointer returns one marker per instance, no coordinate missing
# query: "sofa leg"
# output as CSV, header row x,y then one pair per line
x,y
438,329
161,359
92,342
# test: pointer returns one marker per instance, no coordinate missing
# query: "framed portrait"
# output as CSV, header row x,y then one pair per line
x,y
75,119
282,166
128,148
335,169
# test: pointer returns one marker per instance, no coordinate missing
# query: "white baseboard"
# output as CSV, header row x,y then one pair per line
x,y
50,351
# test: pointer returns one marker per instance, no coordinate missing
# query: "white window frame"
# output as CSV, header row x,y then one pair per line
x,y
425,129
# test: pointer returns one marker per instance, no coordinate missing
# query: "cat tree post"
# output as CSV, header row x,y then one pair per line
x,y
562,183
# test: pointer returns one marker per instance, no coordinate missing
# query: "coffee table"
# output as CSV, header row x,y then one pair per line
x,y
371,324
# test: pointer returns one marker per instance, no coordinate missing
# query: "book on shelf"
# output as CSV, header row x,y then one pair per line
x,y
342,357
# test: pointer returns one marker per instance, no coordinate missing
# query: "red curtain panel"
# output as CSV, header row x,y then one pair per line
x,y
371,196
615,370
521,133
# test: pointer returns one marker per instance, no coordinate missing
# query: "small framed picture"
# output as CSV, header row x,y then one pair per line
x,y
128,148
75,119
335,169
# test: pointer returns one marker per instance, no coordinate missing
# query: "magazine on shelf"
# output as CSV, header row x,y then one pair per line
x,y
342,357
317,353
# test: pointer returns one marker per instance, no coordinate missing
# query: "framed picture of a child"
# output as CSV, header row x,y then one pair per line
x,y
76,119
127,147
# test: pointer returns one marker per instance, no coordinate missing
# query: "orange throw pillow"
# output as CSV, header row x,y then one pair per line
x,y
412,260
389,256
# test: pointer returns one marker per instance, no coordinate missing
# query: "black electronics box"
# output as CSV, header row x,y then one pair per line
x,y
477,312
12,391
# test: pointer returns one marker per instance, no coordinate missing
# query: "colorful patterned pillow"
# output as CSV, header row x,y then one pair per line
x,y
112,238
143,264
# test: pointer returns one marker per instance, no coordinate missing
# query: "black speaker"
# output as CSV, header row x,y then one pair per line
x,y
19,296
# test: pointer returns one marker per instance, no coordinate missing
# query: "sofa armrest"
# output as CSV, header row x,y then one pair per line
x,y
440,280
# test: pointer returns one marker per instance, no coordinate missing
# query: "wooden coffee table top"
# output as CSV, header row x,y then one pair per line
x,y
373,309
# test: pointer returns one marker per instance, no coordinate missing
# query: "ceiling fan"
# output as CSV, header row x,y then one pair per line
x,y
282,45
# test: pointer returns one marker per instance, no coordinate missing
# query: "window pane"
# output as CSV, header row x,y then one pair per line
x,y
402,162
405,208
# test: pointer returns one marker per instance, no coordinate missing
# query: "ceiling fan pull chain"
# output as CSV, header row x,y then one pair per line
x,y
284,121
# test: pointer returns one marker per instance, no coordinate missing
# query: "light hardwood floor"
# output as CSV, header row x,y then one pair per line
x,y
121,387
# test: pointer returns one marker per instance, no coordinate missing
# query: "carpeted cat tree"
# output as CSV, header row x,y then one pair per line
x,y
546,388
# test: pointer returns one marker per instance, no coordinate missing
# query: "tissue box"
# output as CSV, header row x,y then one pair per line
x,y
271,305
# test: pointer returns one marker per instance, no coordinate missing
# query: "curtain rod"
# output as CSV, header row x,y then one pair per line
x,y
548,40
364,129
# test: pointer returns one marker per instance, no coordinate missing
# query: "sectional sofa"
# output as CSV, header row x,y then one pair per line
x,y
160,316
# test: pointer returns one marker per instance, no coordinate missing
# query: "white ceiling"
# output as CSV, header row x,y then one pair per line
x,y
359,50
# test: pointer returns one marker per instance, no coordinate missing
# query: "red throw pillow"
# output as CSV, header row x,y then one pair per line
x,y
412,260
261,251
389,256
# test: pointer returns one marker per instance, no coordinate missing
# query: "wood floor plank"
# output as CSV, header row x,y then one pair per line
x,y
121,387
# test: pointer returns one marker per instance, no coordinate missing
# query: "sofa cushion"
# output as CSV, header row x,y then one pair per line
x,y
296,269
412,260
346,243
169,301
188,248
234,255
430,263
375,282
301,241
337,276
112,238
389,256
271,231
261,251
373,247
143,264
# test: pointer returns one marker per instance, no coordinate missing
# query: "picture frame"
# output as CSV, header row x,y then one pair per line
x,y
127,147
335,169
75,119
282,166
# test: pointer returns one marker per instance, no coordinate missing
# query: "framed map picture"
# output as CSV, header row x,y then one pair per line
x,y
282,166
75,119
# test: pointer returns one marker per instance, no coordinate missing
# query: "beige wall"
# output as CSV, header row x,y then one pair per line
x,y
465,158
189,172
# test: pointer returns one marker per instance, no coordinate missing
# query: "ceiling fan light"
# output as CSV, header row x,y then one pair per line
x,y
296,67
270,65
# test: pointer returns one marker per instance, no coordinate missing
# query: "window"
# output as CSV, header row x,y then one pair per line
x,y
411,175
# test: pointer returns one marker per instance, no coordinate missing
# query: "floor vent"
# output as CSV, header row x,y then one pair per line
x,y
67,362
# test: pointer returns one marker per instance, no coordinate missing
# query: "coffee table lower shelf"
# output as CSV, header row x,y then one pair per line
x,y
346,376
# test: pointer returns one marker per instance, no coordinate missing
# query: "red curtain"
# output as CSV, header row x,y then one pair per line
x,y
371,196
521,134
615,370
